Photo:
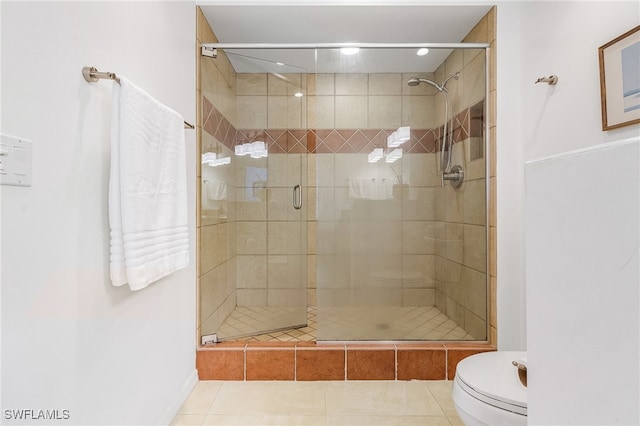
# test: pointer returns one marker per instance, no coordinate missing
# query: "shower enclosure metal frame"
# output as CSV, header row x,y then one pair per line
x,y
210,50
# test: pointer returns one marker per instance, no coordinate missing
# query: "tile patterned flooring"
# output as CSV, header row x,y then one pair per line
x,y
334,403
353,323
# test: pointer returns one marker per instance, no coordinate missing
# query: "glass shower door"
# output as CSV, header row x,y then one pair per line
x,y
401,255
259,284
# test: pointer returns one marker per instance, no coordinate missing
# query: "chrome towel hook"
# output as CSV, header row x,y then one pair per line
x,y
552,80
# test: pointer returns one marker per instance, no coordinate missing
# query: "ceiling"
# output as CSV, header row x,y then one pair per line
x,y
304,23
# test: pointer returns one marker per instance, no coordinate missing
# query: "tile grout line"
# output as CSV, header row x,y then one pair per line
x,y
446,362
345,363
395,352
244,362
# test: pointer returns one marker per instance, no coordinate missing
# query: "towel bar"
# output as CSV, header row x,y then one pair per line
x,y
91,75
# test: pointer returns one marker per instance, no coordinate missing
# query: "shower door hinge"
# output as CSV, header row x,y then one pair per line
x,y
210,52
207,339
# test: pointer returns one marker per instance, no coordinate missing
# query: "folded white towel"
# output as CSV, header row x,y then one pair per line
x,y
147,189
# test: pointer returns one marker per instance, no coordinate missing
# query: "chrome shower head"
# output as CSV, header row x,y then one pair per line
x,y
414,81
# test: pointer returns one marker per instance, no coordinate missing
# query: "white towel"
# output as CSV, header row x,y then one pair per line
x,y
147,189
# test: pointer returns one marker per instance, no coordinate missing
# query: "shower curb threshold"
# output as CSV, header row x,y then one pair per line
x,y
309,361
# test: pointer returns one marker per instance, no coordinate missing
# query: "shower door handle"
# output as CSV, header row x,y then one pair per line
x,y
297,197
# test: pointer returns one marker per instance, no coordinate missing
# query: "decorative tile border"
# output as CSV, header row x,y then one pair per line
x,y
348,141
309,361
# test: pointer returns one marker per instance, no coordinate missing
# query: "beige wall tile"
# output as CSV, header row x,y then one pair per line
x,y
252,272
475,326
425,265
352,84
280,205
251,237
325,169
286,271
286,238
312,271
455,311
454,244
251,84
287,297
211,82
277,172
421,170
244,168
277,85
475,292
471,54
474,81
385,84
420,204
474,169
252,297
418,297
251,112
205,292
213,246
418,112
385,112
453,64
474,202
449,205
296,83
249,210
351,112
475,247
321,112
277,112
418,237
296,113
321,84
325,237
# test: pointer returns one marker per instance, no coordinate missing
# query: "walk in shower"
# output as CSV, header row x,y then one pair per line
x,y
343,196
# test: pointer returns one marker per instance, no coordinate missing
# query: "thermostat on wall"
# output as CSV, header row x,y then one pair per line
x,y
15,161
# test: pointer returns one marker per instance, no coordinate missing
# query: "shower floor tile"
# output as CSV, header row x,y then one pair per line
x,y
363,323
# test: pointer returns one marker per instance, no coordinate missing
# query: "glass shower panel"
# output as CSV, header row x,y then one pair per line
x,y
398,256
258,284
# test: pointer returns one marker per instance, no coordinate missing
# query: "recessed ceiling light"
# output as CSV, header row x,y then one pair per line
x,y
279,63
298,94
349,50
422,51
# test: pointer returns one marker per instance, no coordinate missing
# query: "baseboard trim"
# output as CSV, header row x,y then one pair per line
x,y
174,408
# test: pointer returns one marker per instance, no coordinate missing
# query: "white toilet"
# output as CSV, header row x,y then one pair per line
x,y
487,391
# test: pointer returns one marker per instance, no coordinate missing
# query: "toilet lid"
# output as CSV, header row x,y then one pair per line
x,y
491,378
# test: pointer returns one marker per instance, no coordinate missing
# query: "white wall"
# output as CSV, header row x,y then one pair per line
x,y
537,39
69,339
587,358
583,286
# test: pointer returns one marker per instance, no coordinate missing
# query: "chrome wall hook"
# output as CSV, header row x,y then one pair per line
x,y
552,80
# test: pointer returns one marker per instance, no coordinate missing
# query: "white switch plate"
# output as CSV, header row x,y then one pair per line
x,y
15,161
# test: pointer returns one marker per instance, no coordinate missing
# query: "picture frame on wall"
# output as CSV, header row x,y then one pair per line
x,y
620,80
